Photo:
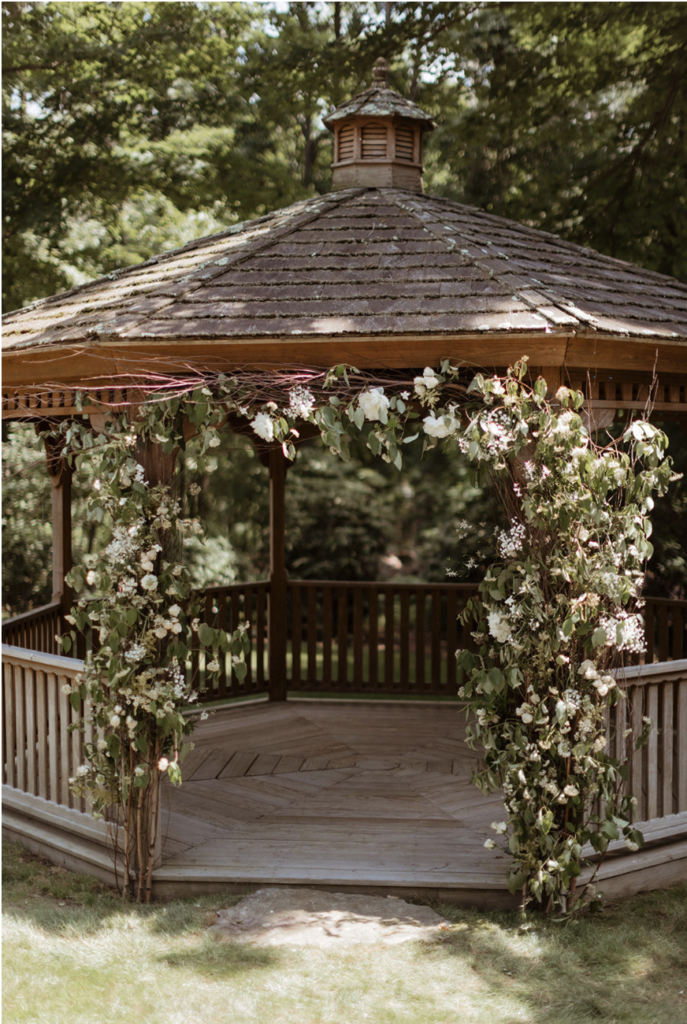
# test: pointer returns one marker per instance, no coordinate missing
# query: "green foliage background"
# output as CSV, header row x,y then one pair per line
x,y
131,128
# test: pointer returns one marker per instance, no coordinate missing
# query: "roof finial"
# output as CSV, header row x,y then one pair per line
x,y
380,74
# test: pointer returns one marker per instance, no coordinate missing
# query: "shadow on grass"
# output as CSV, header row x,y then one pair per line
x,y
625,966
218,959
58,901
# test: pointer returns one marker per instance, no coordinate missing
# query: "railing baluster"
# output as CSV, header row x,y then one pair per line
x,y
248,684
53,738
312,592
223,684
637,756
667,740
326,637
682,747
405,639
663,646
64,718
678,632
20,718
451,639
30,711
373,638
652,753
342,638
649,631
420,623
261,604
358,680
389,631
10,725
295,635
436,680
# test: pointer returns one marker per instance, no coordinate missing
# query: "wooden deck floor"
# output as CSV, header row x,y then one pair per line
x,y
364,795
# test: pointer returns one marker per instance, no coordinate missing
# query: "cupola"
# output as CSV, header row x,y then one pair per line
x,y
378,138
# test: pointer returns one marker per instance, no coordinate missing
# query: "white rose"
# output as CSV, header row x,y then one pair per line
x,y
499,826
175,611
499,627
490,844
163,764
571,790
114,721
263,425
426,382
373,403
82,771
149,582
213,666
90,578
214,441
146,565
437,427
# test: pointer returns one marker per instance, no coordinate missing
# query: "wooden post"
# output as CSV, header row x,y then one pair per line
x,y
62,535
276,609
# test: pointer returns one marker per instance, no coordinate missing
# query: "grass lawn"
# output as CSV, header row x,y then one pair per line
x,y
74,953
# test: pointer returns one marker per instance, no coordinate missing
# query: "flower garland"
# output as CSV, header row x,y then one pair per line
x,y
558,604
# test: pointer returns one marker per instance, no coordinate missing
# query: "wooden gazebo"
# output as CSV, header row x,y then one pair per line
x,y
379,275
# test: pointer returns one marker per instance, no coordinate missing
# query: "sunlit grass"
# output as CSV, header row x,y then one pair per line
x,y
75,953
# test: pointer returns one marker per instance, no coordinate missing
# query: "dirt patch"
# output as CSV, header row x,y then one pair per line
x,y
309,917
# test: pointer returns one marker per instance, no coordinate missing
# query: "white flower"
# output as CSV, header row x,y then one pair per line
x,y
588,670
176,627
67,688
193,489
374,404
499,826
631,846
426,382
146,565
102,744
499,627
96,485
114,721
263,425
163,764
301,403
90,578
82,771
175,611
490,844
213,666
195,623
437,427
149,582
139,770
571,790
160,632
214,441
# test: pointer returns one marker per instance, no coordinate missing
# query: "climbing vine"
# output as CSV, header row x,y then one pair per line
x,y
557,606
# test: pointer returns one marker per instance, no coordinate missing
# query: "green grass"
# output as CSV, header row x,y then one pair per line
x,y
75,953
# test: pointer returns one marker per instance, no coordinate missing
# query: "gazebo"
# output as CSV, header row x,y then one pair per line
x,y
346,791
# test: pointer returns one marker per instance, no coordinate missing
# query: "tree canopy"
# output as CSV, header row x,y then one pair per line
x,y
131,128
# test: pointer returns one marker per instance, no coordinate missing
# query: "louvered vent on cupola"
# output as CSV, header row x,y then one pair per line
x,y
378,138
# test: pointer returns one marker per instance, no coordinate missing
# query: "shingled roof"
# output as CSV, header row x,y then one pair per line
x,y
362,262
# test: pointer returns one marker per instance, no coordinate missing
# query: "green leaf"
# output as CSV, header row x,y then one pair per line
x,y
142,744
599,637
206,634
75,701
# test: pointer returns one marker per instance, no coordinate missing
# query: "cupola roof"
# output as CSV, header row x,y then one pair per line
x,y
379,101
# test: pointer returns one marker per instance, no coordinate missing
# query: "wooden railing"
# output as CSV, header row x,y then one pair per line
x,y
225,608
348,637
35,630
375,637
658,770
39,753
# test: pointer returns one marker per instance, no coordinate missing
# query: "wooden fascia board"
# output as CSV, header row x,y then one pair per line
x,y
71,365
